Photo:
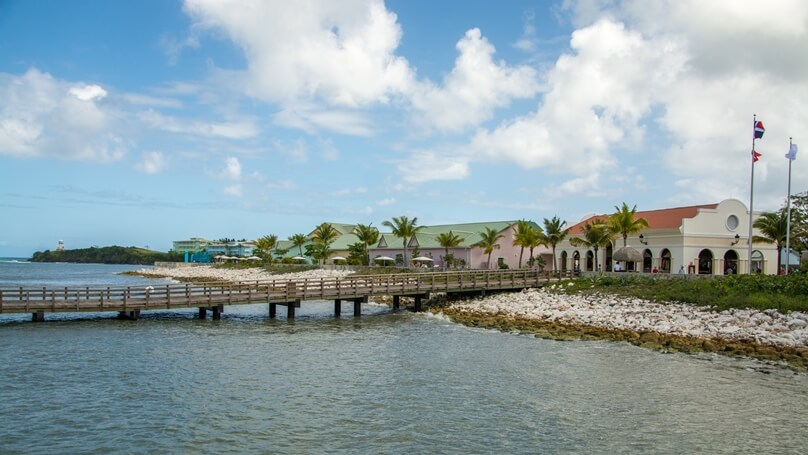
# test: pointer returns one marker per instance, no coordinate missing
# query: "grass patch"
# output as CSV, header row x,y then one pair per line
x,y
784,293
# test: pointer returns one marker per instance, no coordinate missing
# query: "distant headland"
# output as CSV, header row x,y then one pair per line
x,y
107,255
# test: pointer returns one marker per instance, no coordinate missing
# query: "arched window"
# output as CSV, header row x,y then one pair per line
x,y
563,261
607,253
576,261
647,259
590,261
757,261
665,261
705,262
730,263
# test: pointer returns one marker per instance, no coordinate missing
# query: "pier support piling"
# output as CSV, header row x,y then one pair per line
x,y
217,312
131,315
417,303
396,302
203,312
357,307
38,316
273,310
337,307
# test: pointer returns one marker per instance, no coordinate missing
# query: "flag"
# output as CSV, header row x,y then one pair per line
x,y
759,130
792,152
756,156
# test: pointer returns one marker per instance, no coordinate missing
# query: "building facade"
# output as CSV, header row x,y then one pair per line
x,y
711,239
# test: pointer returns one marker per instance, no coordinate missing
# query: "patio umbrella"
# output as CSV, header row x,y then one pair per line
x,y
383,258
298,258
423,258
254,258
338,258
627,254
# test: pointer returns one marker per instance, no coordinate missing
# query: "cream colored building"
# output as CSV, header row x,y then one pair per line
x,y
709,239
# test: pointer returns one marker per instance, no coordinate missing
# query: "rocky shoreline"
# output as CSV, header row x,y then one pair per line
x,y
766,335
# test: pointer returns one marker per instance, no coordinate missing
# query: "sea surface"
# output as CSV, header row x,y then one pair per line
x,y
391,383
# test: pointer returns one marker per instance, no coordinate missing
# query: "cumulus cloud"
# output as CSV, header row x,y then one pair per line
x,y
475,87
695,80
597,96
324,62
339,52
44,116
151,163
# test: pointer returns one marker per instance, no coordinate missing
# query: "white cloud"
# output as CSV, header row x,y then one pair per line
x,y
88,92
232,169
475,87
233,190
425,166
151,163
597,96
311,119
527,42
296,150
242,129
386,201
339,52
44,116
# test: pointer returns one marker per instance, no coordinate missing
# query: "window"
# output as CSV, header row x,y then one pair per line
x,y
732,222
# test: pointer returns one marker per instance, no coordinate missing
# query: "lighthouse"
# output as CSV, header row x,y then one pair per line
x,y
60,246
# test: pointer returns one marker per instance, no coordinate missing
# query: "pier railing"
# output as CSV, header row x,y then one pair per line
x,y
27,299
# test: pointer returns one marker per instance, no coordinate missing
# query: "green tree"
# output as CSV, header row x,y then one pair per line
x,y
299,240
624,222
405,229
265,245
323,236
448,240
489,242
772,227
368,235
535,240
554,233
523,236
595,235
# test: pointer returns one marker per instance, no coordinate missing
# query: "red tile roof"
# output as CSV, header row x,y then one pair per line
x,y
657,219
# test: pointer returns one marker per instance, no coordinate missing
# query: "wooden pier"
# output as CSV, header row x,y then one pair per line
x,y
213,296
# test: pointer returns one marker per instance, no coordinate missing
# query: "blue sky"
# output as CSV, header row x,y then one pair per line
x,y
139,123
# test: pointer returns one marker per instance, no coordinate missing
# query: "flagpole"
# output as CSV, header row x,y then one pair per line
x,y
788,211
752,194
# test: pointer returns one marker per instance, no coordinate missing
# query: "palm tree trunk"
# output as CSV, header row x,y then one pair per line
x,y
595,265
489,261
555,270
406,264
521,252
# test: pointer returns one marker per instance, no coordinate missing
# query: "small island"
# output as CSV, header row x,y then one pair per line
x,y
107,255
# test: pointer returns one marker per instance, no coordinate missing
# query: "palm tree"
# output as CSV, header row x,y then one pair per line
x,y
405,229
554,233
266,244
625,223
368,235
595,235
299,240
772,226
489,242
535,239
324,235
448,240
522,236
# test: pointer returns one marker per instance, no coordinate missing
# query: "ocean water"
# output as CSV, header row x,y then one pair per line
x,y
396,383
